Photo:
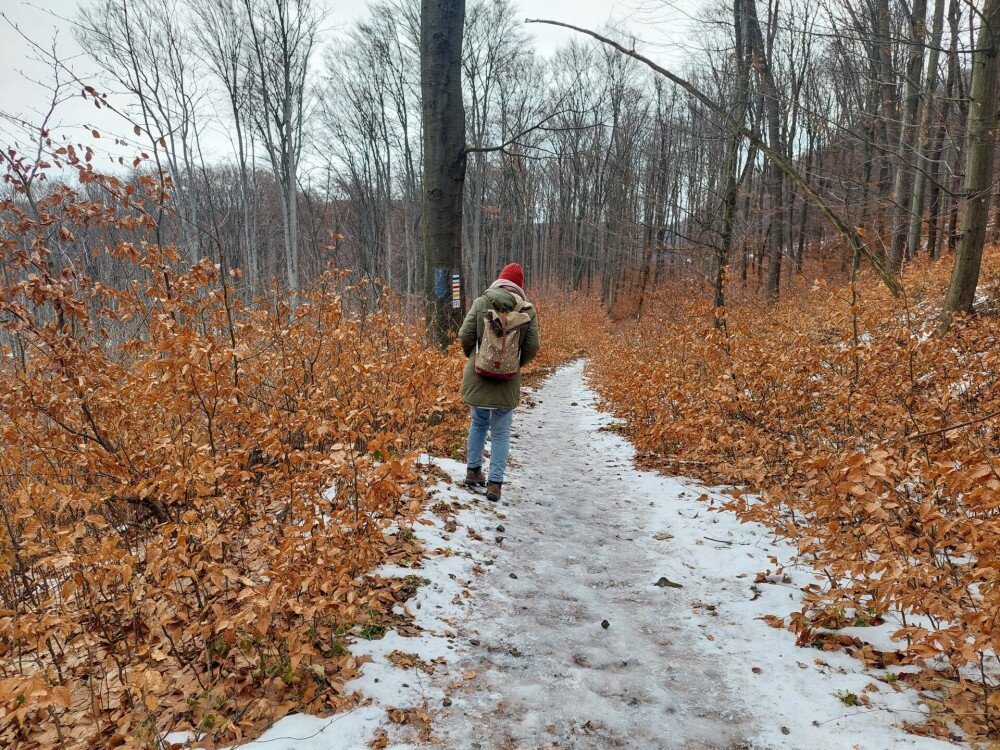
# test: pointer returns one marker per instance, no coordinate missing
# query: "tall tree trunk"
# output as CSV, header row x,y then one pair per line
x,y
744,260
804,215
959,99
903,185
441,27
775,175
934,177
249,240
290,214
979,162
732,181
474,222
889,106
926,127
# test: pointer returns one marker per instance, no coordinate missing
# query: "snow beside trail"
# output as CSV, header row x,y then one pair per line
x,y
513,615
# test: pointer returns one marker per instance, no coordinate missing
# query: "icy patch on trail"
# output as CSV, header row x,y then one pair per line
x,y
793,696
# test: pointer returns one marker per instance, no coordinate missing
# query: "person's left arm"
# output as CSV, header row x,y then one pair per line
x,y
468,334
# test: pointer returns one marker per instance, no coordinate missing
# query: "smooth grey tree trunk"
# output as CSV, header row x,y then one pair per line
x,y
979,163
903,184
441,26
889,113
926,128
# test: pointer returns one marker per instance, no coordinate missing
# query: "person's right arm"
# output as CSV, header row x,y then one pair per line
x,y
532,342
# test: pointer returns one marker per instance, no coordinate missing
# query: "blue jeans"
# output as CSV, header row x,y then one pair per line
x,y
498,422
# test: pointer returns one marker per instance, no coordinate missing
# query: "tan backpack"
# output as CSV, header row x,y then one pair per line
x,y
499,353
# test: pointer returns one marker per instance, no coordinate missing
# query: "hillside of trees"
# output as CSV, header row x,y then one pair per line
x,y
581,164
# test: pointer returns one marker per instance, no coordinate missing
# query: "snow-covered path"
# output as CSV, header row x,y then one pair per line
x,y
576,538
582,537
513,654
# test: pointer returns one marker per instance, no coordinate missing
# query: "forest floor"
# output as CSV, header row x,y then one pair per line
x,y
543,624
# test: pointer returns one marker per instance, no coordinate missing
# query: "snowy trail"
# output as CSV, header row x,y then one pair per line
x,y
576,538
512,653
585,536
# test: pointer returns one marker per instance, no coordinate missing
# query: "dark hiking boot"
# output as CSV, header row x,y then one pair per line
x,y
493,491
475,477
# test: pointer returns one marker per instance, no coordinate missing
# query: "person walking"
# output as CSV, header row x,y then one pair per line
x,y
498,336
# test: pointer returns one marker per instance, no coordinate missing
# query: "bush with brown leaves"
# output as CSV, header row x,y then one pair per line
x,y
567,322
170,553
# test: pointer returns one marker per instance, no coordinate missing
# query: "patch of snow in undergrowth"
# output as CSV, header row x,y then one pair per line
x,y
384,685
351,730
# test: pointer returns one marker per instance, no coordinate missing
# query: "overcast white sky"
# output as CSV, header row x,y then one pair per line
x,y
25,82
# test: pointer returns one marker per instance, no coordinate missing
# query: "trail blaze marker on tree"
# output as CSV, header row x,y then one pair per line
x,y
456,291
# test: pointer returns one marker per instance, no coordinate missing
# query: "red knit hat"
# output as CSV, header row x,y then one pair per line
x,y
512,272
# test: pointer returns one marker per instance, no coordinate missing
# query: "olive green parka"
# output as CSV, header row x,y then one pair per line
x,y
484,392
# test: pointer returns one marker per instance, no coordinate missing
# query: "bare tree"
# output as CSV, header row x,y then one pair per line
x,y
221,29
903,186
356,112
282,39
581,165
761,63
147,49
733,176
980,162
494,40
923,142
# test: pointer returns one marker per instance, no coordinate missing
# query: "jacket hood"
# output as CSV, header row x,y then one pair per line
x,y
501,299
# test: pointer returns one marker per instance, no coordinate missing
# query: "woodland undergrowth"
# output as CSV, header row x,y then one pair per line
x,y
858,430
194,490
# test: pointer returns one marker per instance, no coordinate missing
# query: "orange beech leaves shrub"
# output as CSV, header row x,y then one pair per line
x,y
170,556
566,321
868,438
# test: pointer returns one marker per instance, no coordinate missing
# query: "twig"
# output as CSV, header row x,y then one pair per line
x,y
720,541
977,420
537,126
